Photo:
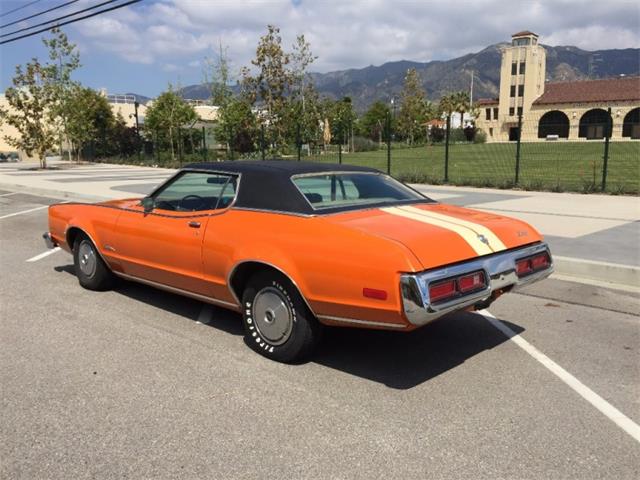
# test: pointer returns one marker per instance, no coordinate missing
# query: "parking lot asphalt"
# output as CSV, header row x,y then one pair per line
x,y
138,383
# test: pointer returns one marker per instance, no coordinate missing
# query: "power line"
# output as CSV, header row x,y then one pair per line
x,y
19,8
60,24
38,14
73,14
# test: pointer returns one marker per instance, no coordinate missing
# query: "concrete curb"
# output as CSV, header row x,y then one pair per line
x,y
45,192
602,271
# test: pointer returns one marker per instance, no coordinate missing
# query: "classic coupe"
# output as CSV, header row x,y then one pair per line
x,y
296,246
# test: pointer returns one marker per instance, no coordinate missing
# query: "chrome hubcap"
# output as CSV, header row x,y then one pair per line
x,y
272,316
87,259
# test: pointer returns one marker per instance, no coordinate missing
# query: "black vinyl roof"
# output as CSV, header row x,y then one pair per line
x,y
267,185
277,167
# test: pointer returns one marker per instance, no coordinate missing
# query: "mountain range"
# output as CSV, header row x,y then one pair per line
x,y
383,82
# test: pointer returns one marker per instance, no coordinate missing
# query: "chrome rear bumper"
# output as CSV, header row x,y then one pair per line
x,y
499,269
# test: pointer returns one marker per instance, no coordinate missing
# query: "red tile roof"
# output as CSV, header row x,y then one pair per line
x,y
488,101
434,123
586,91
524,33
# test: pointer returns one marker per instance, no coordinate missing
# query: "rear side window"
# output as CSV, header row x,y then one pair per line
x,y
335,190
197,191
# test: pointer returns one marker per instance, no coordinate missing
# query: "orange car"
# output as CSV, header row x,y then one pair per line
x,y
296,246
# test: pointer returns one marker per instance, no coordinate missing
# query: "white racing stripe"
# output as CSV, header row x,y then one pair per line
x,y
611,412
466,233
8,194
494,242
44,254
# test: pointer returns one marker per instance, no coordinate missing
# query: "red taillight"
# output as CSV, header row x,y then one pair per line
x,y
374,293
529,265
442,290
455,287
540,261
523,267
473,281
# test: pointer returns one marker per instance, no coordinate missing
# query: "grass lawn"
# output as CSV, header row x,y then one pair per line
x,y
562,166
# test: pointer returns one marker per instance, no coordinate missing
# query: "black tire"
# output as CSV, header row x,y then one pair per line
x,y
293,331
92,272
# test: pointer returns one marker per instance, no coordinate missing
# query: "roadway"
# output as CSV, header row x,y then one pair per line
x,y
137,383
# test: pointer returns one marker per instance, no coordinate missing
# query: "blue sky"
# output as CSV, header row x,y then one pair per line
x,y
143,47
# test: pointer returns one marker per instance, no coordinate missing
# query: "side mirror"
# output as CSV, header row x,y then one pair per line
x,y
147,204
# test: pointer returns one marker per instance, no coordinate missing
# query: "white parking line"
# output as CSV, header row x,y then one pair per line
x,y
8,194
611,412
44,254
24,211
206,314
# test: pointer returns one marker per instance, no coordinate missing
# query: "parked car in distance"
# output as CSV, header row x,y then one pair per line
x,y
296,246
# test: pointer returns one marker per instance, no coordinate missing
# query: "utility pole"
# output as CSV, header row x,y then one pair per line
x,y
471,90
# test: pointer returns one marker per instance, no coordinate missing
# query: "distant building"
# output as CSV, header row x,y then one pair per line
x,y
123,104
555,111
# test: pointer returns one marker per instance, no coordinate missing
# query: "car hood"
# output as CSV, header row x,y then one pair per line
x,y
440,234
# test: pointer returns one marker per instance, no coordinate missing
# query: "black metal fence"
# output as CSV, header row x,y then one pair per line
x,y
603,156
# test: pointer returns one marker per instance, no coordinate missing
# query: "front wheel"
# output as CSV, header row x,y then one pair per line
x,y
92,272
277,322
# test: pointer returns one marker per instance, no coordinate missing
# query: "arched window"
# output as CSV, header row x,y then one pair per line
x,y
631,125
594,124
554,122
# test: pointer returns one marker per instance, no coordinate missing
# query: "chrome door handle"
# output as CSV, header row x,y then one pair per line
x,y
193,224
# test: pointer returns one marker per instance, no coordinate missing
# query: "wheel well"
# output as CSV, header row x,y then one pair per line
x,y
243,272
72,234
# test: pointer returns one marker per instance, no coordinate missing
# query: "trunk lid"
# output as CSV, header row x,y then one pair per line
x,y
440,234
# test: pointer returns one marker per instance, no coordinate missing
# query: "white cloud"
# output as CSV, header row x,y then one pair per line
x,y
354,33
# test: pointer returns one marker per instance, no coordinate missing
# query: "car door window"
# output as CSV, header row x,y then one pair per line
x,y
196,191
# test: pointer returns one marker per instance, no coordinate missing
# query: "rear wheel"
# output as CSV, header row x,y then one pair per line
x,y
92,272
277,322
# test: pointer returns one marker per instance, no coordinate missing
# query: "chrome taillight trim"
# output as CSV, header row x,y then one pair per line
x,y
499,270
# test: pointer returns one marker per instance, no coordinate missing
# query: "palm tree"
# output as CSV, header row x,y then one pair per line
x,y
461,105
447,105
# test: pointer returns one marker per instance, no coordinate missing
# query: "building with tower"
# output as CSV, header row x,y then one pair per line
x,y
552,111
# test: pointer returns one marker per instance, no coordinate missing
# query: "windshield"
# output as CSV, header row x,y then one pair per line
x,y
344,189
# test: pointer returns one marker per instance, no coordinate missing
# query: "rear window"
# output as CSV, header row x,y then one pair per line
x,y
339,190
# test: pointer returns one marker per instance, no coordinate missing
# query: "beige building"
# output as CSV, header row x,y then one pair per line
x,y
572,111
124,105
5,130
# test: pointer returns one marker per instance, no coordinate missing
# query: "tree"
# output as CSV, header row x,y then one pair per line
x,y
30,100
89,120
301,58
64,60
341,119
461,105
372,123
271,83
216,76
304,102
39,91
447,105
124,137
167,114
237,125
414,108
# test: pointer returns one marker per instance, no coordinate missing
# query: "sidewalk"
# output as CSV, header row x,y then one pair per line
x,y
594,236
